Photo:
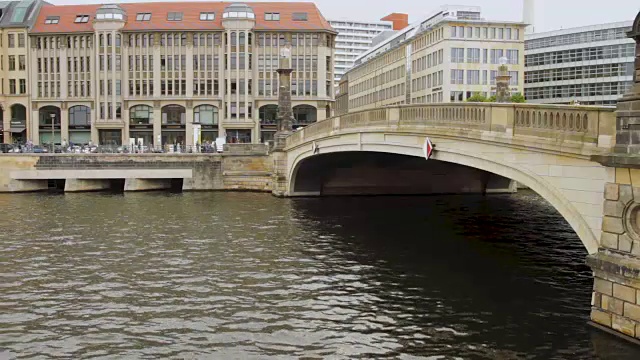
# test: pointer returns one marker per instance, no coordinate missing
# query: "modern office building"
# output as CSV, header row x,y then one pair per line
x,y
446,57
156,71
354,38
592,65
16,18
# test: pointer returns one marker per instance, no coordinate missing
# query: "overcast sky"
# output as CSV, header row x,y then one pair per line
x,y
550,14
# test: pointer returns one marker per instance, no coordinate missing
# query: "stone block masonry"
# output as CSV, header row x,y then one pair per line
x,y
616,266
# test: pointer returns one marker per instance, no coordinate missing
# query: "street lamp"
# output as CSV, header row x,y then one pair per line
x,y
53,118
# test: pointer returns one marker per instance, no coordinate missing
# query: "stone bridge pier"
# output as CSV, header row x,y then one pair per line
x,y
616,265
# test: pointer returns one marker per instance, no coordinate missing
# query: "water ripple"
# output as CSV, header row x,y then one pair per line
x,y
248,276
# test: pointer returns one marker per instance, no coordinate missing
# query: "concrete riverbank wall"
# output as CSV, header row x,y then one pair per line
x,y
249,170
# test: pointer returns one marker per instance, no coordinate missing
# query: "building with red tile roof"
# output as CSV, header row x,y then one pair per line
x,y
175,72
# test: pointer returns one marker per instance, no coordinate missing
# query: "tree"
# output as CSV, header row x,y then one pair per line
x,y
492,99
518,98
477,97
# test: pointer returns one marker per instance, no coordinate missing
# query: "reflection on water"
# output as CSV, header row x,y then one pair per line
x,y
226,275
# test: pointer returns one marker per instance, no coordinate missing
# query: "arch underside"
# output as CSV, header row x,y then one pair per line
x,y
456,152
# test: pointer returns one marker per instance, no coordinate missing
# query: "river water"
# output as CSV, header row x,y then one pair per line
x,y
249,276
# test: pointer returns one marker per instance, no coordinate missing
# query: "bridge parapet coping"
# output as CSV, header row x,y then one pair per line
x,y
586,125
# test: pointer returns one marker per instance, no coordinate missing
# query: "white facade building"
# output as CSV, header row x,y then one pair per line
x,y
446,57
354,38
593,65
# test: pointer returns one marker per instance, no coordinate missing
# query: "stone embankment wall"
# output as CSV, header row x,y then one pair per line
x,y
248,170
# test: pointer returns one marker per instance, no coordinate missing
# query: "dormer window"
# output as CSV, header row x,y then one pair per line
x,y
299,16
207,16
52,20
109,16
110,12
238,11
272,16
82,19
143,16
174,16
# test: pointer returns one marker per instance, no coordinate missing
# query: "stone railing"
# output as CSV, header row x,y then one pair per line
x,y
477,116
575,123
555,123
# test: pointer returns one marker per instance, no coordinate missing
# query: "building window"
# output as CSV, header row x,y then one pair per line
x,y
21,62
457,77
473,77
457,55
514,78
52,20
207,16
206,115
21,41
12,63
496,54
12,86
456,96
12,41
299,16
513,56
473,56
272,16
143,16
80,115
81,19
174,16
141,115
23,86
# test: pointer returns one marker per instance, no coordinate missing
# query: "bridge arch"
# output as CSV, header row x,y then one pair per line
x,y
455,152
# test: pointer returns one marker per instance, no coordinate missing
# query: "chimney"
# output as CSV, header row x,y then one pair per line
x,y
529,15
400,21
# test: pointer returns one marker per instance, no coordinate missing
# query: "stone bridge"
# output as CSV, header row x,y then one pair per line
x,y
583,160
479,148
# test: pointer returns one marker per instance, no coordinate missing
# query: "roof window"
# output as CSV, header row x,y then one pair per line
x,y
174,16
52,20
238,11
207,16
110,12
143,16
109,16
272,16
82,19
299,16
20,11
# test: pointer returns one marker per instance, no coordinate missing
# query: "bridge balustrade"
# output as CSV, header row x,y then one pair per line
x,y
579,125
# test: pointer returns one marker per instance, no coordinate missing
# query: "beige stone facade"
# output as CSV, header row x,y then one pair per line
x,y
447,60
15,22
115,81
